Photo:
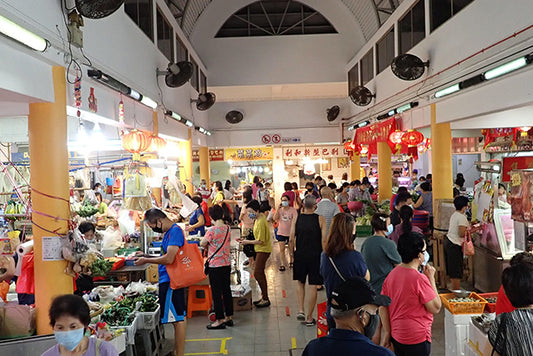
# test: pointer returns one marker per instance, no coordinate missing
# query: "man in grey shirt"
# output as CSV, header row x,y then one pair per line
x,y
327,206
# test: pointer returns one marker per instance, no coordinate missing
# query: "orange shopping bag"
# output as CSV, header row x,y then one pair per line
x,y
188,268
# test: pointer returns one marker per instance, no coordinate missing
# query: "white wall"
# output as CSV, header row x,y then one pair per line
x,y
114,44
296,118
275,60
479,25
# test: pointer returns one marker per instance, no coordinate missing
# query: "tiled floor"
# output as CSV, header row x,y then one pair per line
x,y
268,331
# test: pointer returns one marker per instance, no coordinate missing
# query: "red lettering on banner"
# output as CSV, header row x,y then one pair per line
x,y
288,153
316,152
334,151
307,152
375,133
325,152
297,152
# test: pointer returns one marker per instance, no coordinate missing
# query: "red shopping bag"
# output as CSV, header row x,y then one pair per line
x,y
322,322
188,267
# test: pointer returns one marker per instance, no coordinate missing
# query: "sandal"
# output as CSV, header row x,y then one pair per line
x,y
309,323
282,268
300,316
263,304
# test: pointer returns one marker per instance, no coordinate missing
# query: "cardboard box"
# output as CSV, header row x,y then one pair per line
x,y
243,303
152,274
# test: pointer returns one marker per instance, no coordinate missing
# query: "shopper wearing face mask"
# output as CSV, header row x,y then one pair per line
x,y
407,321
171,301
70,317
405,227
354,306
284,216
380,253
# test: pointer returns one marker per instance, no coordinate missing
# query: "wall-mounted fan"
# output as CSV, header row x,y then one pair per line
x,y
97,9
361,95
234,117
177,74
408,67
333,113
205,101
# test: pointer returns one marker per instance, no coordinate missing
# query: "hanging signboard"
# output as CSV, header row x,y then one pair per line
x,y
214,155
515,163
314,152
249,153
375,133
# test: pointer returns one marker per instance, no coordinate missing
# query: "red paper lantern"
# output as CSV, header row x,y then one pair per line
x,y
396,137
157,143
349,146
136,141
412,138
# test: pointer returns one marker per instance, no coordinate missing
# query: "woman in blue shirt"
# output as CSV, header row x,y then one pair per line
x,y
197,219
340,261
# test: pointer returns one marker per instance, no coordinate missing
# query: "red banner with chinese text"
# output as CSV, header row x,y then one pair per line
x,y
375,133
510,163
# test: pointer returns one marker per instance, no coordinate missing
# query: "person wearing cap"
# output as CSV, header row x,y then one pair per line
x,y
354,306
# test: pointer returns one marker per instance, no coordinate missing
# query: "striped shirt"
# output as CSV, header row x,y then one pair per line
x,y
516,334
328,210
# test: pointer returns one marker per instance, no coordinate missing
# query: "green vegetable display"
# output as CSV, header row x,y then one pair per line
x,y
118,315
101,267
87,210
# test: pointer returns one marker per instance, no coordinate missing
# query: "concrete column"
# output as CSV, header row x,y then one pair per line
x,y
384,171
441,157
47,128
355,167
185,163
203,153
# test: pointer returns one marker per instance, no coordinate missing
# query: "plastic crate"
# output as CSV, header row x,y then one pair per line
x,y
129,331
463,308
490,307
119,343
363,230
148,320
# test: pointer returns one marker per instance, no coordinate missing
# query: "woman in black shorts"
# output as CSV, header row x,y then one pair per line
x,y
309,233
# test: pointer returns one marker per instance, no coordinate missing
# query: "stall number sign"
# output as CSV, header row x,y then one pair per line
x,y
315,152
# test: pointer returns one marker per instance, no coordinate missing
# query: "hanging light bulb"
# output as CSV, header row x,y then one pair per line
x,y
97,136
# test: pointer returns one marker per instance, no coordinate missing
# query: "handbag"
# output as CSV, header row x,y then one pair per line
x,y
187,268
249,250
468,245
336,269
206,264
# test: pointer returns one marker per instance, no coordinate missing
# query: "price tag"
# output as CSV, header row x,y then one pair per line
x,y
52,248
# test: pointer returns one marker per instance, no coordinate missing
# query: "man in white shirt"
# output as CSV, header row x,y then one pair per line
x,y
453,244
327,206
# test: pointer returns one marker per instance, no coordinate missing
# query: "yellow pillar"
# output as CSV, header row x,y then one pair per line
x,y
355,167
47,127
203,154
384,171
441,158
185,163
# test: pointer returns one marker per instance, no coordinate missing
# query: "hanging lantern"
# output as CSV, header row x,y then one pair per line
x,y
396,137
157,143
412,138
349,146
364,150
136,142
524,130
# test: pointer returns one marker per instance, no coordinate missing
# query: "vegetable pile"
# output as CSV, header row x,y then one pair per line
x,y
118,315
87,210
101,267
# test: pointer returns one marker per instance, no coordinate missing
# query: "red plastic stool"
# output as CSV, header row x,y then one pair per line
x,y
199,299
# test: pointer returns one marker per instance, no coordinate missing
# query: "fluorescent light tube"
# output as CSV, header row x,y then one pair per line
x,y
148,102
392,112
506,68
176,116
447,91
403,108
92,117
20,34
189,123
363,124
135,94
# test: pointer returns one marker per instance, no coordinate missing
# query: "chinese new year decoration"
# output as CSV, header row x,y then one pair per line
x,y
93,106
121,117
77,93
412,138
157,143
136,142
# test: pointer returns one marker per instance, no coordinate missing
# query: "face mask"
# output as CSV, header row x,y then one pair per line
x,y
426,258
69,339
252,215
390,229
158,229
309,189
372,326
284,203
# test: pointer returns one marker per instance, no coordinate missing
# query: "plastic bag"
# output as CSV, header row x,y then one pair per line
x,y
75,247
106,293
111,238
126,222
136,287
468,245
